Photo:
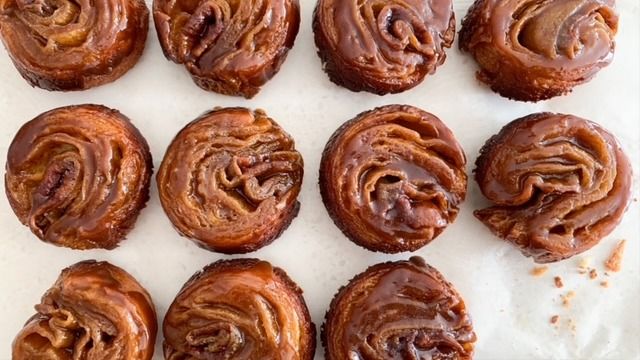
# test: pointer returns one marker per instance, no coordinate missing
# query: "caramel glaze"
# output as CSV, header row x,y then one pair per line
x,y
385,46
398,310
392,178
239,309
78,176
533,50
73,45
230,180
230,47
94,311
558,183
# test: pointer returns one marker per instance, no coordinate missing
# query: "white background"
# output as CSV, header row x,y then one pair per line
x,y
510,308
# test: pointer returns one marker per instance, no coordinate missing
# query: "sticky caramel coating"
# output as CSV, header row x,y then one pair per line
x,y
398,310
392,178
78,176
239,309
230,180
73,45
382,46
532,50
230,47
94,311
558,184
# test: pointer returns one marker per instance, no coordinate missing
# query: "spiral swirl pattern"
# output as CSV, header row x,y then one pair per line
x,y
73,45
382,46
533,50
78,176
559,184
230,180
392,178
95,310
239,309
398,310
230,47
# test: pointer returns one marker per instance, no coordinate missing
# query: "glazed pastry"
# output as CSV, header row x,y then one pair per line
x,y
535,50
95,310
73,45
392,178
230,180
398,310
382,46
559,184
239,309
230,47
78,176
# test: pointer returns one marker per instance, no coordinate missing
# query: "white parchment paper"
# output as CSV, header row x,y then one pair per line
x,y
510,308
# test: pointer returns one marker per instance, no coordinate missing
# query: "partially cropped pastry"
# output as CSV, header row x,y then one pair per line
x,y
558,183
382,46
95,310
230,47
230,180
78,176
73,45
535,50
398,310
392,178
239,309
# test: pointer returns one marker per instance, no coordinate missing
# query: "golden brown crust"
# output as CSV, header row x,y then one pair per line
x,y
534,50
95,310
392,178
382,46
73,45
393,310
558,183
240,309
230,47
230,180
78,176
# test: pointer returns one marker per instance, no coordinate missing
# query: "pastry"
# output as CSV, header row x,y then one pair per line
x,y
398,310
230,47
392,178
78,176
558,184
239,309
382,46
95,310
73,45
230,180
535,50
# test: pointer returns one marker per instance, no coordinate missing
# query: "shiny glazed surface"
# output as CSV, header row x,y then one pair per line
x,y
533,50
94,311
239,309
230,180
232,47
73,45
559,184
392,178
398,310
78,176
382,46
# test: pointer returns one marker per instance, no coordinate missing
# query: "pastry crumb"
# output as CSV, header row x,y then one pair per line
x,y
584,263
558,281
614,262
539,270
604,284
554,319
593,274
566,299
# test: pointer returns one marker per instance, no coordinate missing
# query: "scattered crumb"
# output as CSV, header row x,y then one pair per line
x,y
572,326
614,262
554,319
539,270
566,299
593,274
584,263
604,284
558,281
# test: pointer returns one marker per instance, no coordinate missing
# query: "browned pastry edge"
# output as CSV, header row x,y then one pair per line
x,y
293,290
